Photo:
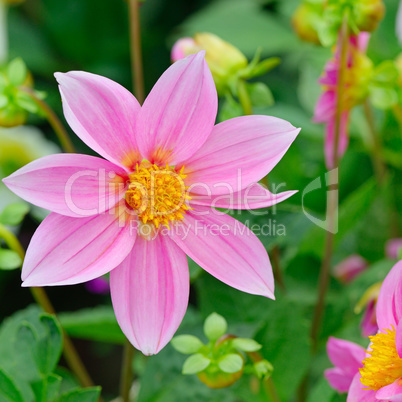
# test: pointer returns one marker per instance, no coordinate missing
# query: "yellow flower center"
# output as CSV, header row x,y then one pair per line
x,y
384,366
157,194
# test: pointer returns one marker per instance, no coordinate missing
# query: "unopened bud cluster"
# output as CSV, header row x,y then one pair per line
x,y
223,360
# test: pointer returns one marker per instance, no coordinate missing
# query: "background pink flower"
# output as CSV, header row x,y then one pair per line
x,y
325,110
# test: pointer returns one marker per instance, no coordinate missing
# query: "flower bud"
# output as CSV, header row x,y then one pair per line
x,y
368,302
305,21
14,104
393,248
224,60
349,268
368,14
219,379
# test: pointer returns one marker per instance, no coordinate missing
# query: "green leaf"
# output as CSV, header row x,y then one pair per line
x,y
215,326
24,101
80,395
9,260
286,333
186,344
3,101
98,324
195,363
231,363
383,97
230,109
17,71
51,345
13,214
264,67
47,388
8,390
260,94
246,345
386,72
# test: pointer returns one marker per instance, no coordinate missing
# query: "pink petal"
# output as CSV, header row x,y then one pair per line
x,y
358,394
253,197
347,357
65,250
102,113
325,107
69,184
179,113
389,302
330,139
398,339
337,379
150,293
392,392
362,41
226,249
239,152
369,321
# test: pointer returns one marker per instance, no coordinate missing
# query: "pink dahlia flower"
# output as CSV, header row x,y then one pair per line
x,y
379,377
129,214
325,110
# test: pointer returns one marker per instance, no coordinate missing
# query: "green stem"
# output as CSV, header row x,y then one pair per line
x,y
135,50
244,98
379,167
271,390
127,371
332,201
41,298
277,268
3,32
53,120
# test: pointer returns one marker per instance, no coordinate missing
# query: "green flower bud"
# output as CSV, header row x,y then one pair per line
x,y
219,379
14,104
306,20
368,14
215,326
224,60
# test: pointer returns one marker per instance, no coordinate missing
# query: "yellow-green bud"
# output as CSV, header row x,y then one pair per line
x,y
368,14
14,104
224,60
219,379
305,21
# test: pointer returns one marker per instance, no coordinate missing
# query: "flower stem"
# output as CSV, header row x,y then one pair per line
x,y
53,120
244,98
271,390
3,32
379,167
40,296
127,371
135,50
277,268
332,201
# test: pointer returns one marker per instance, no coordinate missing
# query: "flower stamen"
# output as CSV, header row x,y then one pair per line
x,y
384,366
157,194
